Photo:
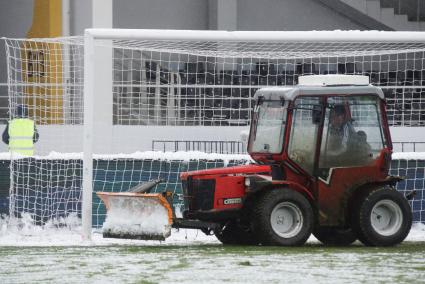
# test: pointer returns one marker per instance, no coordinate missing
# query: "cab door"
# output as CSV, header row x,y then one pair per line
x,y
303,142
340,171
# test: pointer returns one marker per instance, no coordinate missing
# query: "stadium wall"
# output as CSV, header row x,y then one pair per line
x,y
300,15
124,142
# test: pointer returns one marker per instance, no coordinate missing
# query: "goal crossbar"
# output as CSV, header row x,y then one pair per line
x,y
269,36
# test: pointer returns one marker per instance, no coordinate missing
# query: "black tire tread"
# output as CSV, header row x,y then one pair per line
x,y
361,217
261,217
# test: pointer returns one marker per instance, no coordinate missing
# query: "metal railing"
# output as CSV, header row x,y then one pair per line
x,y
405,146
219,147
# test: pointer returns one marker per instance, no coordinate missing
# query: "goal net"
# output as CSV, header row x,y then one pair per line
x,y
100,99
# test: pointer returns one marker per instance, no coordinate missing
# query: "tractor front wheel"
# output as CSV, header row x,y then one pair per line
x,y
282,217
383,218
335,236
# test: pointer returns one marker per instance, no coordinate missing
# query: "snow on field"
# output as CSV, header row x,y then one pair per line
x,y
60,255
51,255
25,234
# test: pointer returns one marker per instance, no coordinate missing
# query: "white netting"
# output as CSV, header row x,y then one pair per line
x,y
413,170
47,77
50,187
212,83
203,82
146,89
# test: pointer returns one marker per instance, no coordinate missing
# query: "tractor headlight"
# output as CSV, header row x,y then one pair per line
x,y
247,182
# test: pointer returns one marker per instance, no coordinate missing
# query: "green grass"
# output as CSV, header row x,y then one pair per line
x,y
214,263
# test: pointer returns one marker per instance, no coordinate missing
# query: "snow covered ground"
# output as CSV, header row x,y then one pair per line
x,y
34,255
192,257
26,234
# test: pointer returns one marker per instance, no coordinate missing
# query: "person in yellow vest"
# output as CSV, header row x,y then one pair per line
x,y
20,133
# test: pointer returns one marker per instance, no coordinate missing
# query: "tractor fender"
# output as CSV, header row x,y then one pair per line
x,y
258,184
365,187
358,191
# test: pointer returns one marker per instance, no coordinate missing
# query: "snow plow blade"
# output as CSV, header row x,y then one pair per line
x,y
133,215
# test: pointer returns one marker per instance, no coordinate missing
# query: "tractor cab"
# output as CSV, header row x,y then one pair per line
x,y
327,138
321,124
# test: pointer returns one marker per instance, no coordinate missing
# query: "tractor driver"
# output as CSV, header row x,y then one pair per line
x,y
341,135
345,146
341,130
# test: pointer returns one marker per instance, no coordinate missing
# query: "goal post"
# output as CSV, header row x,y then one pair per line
x,y
123,89
89,91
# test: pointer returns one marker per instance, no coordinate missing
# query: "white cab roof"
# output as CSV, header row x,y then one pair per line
x,y
333,80
322,85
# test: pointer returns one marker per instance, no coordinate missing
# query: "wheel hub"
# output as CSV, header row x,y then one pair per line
x,y
286,219
386,217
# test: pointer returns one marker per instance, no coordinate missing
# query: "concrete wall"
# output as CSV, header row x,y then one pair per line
x,y
250,15
290,15
130,139
80,16
161,14
123,139
10,27
10,11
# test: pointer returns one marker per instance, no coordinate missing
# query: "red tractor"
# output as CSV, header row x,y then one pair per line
x,y
322,152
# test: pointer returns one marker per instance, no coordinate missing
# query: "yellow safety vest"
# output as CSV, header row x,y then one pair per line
x,y
21,133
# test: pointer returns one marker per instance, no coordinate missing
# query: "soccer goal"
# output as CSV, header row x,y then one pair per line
x,y
100,100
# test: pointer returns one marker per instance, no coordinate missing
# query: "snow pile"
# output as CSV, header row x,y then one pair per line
x,y
26,223
417,233
136,217
24,232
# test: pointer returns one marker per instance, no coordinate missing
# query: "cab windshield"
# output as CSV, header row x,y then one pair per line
x,y
267,132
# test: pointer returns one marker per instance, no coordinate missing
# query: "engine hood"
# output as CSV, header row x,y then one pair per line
x,y
246,169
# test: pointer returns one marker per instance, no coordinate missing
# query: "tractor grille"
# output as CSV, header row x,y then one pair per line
x,y
198,194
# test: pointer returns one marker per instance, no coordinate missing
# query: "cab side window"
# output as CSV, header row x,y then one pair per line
x,y
303,137
352,133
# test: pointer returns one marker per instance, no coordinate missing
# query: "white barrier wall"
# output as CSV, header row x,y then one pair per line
x,y
129,139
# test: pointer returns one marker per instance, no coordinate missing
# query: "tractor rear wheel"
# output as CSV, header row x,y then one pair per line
x,y
383,218
282,217
234,234
335,236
